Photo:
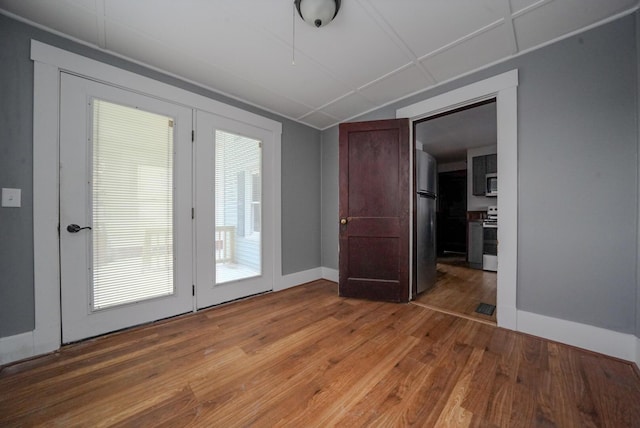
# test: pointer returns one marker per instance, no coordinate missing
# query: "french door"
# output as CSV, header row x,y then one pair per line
x,y
153,224
125,208
234,210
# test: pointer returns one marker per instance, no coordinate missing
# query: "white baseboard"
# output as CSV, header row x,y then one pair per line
x,y
305,276
330,274
298,278
14,348
24,345
608,342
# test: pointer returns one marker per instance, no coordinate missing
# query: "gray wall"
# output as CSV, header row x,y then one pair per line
x,y
300,172
16,157
329,194
578,176
301,199
638,112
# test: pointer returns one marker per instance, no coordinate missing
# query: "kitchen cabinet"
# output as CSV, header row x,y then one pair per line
x,y
479,164
482,165
492,163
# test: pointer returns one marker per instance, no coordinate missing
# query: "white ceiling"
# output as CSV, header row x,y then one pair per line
x,y
373,53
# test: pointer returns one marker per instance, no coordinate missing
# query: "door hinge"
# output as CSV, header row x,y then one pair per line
x,y
193,289
193,135
193,213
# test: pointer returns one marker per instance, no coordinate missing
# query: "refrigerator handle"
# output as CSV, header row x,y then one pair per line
x,y
426,194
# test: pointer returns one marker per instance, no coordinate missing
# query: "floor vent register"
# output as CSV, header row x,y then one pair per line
x,y
486,309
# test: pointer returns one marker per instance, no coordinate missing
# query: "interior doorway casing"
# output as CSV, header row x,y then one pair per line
x,y
503,88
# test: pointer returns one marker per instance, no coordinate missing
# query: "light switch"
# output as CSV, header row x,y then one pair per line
x,y
11,197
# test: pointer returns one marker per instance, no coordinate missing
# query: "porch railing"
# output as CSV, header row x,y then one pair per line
x,y
225,240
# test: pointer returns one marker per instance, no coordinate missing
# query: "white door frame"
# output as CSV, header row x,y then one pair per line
x,y
49,61
503,88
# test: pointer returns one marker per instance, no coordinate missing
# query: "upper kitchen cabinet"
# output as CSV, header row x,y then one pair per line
x,y
492,163
483,165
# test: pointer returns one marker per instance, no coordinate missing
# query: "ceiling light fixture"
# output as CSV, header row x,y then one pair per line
x,y
317,13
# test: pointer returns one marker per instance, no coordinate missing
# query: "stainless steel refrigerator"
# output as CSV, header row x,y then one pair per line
x,y
425,246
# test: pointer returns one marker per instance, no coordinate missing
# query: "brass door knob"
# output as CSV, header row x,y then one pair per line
x,y
343,221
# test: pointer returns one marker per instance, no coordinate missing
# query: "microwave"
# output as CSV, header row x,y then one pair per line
x,y
492,185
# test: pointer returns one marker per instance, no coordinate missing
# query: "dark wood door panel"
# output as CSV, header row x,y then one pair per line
x,y
373,257
372,226
374,209
373,185
373,289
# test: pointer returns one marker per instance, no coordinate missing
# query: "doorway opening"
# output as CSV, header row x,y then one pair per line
x,y
504,88
463,142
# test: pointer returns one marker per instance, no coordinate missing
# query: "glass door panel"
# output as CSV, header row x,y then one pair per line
x,y
234,219
238,189
125,208
132,191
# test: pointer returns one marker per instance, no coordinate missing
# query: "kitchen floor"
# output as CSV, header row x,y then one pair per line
x,y
459,290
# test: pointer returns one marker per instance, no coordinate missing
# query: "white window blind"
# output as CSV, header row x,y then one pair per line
x,y
132,201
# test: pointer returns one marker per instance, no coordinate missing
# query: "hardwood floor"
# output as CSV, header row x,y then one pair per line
x,y
459,290
306,357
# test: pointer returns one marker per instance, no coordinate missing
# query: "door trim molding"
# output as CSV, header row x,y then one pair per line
x,y
503,87
49,61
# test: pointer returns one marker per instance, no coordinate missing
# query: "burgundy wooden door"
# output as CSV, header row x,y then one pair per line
x,y
374,210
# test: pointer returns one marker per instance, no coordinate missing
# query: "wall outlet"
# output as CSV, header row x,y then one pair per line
x,y
11,197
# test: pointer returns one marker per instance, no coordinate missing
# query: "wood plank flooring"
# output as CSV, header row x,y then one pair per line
x,y
305,357
459,290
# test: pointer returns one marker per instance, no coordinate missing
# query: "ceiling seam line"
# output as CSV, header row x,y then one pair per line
x,y
530,8
508,16
461,40
396,39
386,76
